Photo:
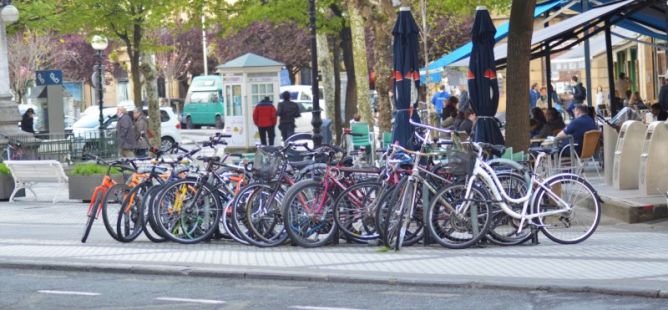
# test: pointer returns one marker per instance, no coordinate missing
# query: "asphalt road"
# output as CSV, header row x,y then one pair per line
x,y
30,289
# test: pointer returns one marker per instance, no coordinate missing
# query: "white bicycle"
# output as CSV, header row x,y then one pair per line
x,y
565,206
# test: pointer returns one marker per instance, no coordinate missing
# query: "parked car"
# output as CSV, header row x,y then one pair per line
x,y
86,129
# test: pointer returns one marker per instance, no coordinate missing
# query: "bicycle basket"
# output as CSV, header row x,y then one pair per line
x,y
266,163
460,162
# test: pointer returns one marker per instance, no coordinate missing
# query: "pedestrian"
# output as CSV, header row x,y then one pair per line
x,y
622,85
264,117
579,91
542,101
534,95
356,119
287,111
439,99
127,140
141,133
28,121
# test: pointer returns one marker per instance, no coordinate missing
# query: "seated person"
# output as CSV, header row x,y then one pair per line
x,y
659,113
579,125
468,122
553,125
449,112
537,121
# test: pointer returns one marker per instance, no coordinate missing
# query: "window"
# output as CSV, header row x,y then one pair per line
x,y
164,116
233,100
259,91
201,97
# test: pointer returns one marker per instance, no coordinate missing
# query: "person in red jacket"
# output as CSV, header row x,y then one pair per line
x,y
264,117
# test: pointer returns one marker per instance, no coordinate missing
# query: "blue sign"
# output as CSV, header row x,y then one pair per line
x,y
49,77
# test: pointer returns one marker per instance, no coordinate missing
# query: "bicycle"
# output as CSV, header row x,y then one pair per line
x,y
107,190
454,217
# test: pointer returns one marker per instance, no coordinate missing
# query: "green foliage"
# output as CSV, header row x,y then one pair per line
x,y
4,170
86,169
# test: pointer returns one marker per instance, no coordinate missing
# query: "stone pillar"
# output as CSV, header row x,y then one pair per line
x,y
9,112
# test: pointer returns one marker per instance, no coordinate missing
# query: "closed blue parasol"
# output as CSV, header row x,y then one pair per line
x,y
406,76
483,86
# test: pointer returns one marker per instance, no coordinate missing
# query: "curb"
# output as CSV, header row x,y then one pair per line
x,y
161,270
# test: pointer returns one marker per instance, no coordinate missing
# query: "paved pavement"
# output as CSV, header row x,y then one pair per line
x,y
619,258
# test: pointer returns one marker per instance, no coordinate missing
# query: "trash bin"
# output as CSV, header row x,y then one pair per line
x,y
627,155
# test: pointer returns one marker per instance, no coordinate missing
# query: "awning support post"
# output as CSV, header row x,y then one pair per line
x,y
587,55
611,71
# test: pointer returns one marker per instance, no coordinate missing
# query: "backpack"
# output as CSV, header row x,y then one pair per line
x,y
581,92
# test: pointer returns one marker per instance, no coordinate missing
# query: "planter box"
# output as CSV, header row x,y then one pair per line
x,y
81,187
7,186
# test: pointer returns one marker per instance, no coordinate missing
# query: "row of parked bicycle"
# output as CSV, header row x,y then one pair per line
x,y
450,192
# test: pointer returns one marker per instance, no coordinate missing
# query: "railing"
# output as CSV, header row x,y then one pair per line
x,y
62,147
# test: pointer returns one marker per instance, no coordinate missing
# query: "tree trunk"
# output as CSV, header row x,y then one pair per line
x,y
326,66
519,50
382,28
351,85
150,74
361,66
135,75
336,51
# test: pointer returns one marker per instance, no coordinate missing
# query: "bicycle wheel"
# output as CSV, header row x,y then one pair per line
x,y
309,215
148,227
576,224
456,221
397,220
129,221
385,203
92,214
263,217
188,212
354,210
112,204
503,230
226,226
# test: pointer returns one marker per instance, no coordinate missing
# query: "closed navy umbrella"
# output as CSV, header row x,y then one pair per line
x,y
483,86
406,76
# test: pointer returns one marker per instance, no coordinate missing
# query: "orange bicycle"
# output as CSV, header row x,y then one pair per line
x,y
107,194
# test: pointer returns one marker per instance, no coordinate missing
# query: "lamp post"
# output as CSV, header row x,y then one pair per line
x,y
9,113
99,44
8,15
316,121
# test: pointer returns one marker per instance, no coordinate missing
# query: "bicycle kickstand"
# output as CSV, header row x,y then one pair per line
x,y
534,235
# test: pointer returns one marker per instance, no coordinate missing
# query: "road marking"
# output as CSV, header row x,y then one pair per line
x,y
68,293
321,308
421,294
199,301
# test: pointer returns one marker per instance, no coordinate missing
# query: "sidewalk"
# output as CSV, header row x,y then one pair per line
x,y
619,258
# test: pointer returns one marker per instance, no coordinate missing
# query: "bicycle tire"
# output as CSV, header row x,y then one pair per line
x,y
204,213
386,201
503,230
447,200
112,203
297,219
129,221
542,202
91,216
265,224
149,228
364,230
395,229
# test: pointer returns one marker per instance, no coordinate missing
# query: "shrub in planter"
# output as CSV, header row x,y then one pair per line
x,y
7,183
84,177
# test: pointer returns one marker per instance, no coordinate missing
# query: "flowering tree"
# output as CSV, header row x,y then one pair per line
x,y
285,42
29,52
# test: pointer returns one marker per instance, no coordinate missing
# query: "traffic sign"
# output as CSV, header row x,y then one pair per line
x,y
49,77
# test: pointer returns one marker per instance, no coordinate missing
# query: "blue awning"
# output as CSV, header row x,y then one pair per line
x,y
649,21
501,33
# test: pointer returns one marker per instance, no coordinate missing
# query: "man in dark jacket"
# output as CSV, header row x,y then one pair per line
x,y
127,139
264,117
27,121
287,111
579,92
663,95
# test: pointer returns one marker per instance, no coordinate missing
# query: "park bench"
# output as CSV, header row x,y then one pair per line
x,y
26,173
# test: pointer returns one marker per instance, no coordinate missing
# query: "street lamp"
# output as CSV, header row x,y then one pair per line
x,y
316,121
9,14
100,44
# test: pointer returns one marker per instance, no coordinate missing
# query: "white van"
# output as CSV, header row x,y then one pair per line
x,y
303,96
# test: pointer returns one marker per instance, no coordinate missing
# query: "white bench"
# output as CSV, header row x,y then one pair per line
x,y
26,173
